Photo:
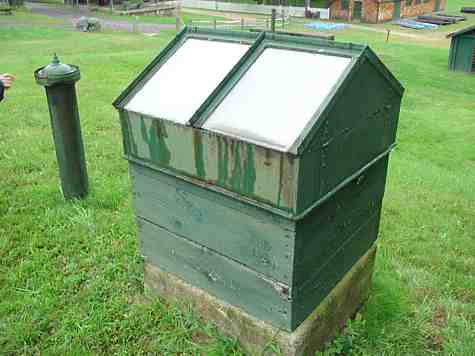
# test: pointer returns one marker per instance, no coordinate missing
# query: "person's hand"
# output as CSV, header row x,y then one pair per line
x,y
7,80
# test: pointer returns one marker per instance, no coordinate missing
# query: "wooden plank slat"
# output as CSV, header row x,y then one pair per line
x,y
254,237
324,230
224,278
315,291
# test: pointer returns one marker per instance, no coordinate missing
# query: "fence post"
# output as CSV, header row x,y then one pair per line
x,y
273,16
135,26
242,24
214,24
177,23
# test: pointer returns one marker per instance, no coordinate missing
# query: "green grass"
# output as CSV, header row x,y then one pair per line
x,y
70,273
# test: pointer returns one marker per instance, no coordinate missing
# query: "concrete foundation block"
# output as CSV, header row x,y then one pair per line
x,y
312,335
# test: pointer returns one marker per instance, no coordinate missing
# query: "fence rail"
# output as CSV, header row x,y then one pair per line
x,y
253,8
281,22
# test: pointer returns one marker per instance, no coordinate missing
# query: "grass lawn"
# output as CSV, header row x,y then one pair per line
x,y
70,273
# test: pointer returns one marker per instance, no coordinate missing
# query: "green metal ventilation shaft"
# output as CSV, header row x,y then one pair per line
x,y
59,81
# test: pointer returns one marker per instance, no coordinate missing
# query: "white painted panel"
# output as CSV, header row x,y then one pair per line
x,y
186,79
277,97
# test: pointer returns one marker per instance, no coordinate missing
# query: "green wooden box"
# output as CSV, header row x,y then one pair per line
x,y
462,50
258,164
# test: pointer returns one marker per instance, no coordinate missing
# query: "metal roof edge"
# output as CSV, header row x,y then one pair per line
x,y
381,67
461,31
314,41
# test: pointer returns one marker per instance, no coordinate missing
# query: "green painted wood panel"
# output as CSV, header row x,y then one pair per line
x,y
309,296
464,53
254,237
308,190
220,276
361,126
326,228
255,172
452,51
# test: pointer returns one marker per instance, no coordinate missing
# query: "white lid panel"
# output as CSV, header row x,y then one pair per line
x,y
186,79
277,96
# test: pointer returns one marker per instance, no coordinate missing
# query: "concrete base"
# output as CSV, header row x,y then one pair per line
x,y
319,327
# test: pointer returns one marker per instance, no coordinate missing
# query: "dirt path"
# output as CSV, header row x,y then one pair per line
x,y
73,14
397,33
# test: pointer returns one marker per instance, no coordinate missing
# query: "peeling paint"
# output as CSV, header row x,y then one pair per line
x,y
250,169
155,138
237,172
199,155
222,162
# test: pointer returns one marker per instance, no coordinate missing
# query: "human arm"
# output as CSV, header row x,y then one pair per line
x,y
6,81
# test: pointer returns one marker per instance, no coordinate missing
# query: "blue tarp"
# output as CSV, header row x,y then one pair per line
x,y
325,25
416,24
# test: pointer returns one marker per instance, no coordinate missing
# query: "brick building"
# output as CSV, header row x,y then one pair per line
x,y
375,11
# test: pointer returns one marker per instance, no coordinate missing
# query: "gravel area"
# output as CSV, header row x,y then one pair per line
x,y
73,14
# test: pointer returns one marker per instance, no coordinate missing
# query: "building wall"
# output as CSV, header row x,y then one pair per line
x,y
370,11
336,12
385,11
374,11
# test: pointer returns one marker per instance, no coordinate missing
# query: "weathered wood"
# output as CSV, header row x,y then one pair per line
x,y
326,228
255,237
253,334
226,279
361,125
254,172
314,291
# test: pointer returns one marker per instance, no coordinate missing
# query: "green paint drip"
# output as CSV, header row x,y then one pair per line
x,y
199,155
134,149
155,138
236,178
249,171
159,147
222,162
281,174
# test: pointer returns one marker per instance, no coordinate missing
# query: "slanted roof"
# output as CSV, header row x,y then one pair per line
x,y
178,88
461,31
183,75
269,89
277,95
